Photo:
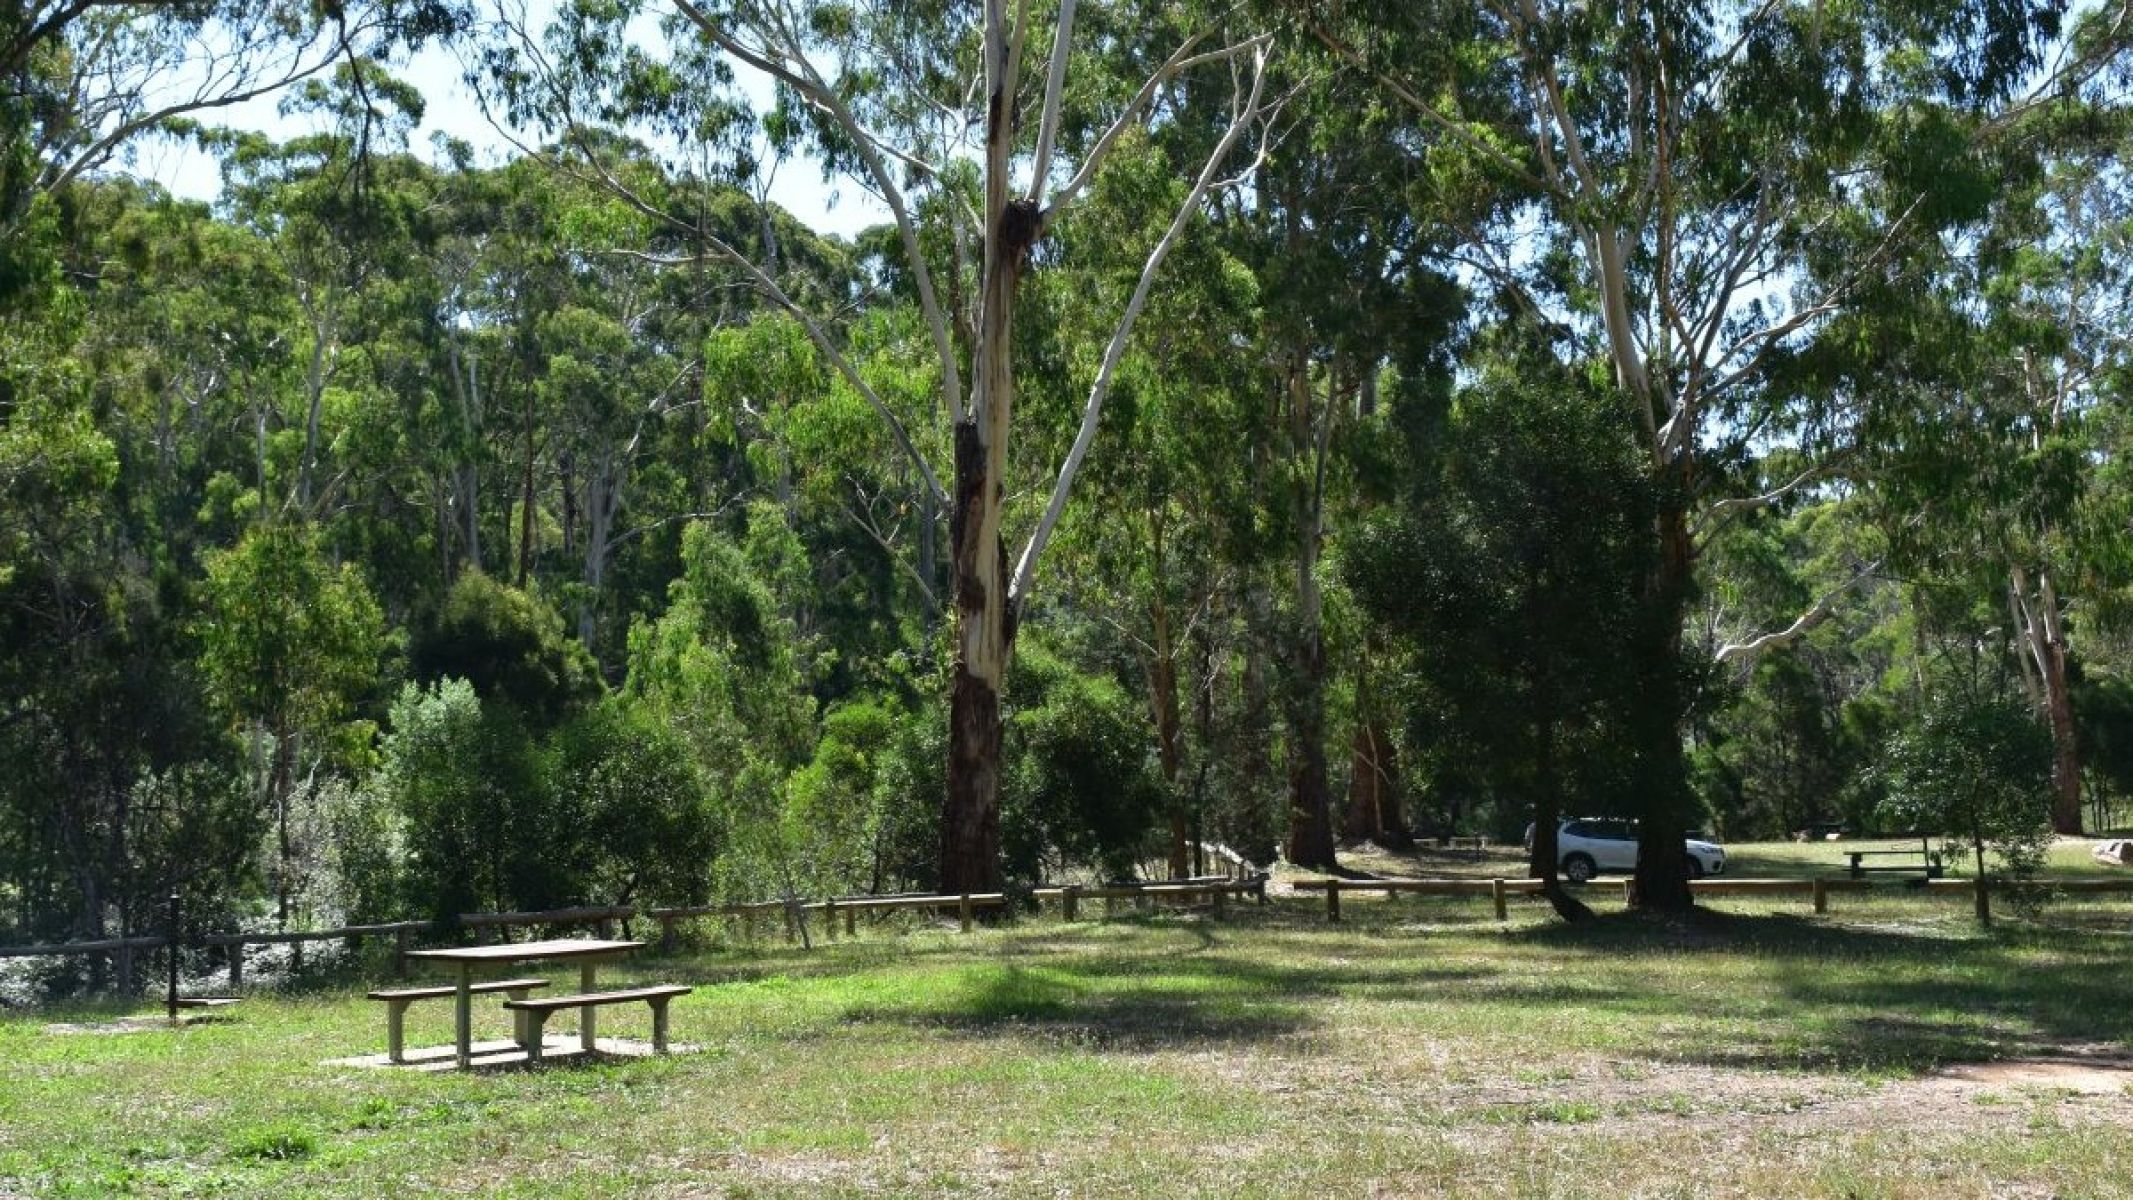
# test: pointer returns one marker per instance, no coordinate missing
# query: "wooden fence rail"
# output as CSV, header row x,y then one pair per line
x,y
1217,888
1818,890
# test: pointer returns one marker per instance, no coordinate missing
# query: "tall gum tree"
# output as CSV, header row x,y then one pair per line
x,y
1712,183
892,97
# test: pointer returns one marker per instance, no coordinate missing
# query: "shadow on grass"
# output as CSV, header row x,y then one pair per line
x,y
1717,989
1018,1001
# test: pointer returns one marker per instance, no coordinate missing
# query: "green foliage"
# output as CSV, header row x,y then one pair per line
x,y
510,647
1976,769
482,833
1513,570
626,781
1081,787
287,638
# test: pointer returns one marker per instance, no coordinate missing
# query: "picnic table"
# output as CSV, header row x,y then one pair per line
x,y
589,953
1922,860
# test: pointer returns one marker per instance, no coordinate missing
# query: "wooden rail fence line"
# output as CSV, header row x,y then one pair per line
x,y
1817,890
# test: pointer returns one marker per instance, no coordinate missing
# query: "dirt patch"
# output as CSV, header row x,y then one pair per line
x,y
2098,1075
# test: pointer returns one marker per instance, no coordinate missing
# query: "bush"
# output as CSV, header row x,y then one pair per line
x,y
1080,787
467,780
651,832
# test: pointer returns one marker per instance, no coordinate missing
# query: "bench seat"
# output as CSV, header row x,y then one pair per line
x,y
397,999
535,1013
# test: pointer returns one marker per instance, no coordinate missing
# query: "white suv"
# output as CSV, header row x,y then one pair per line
x,y
1590,845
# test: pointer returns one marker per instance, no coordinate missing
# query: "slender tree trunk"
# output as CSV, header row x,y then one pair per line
x,y
1982,891
1163,703
525,498
1310,803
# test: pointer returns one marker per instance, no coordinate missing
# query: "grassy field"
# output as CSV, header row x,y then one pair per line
x,y
1418,1048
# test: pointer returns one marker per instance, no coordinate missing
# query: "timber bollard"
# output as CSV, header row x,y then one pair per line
x,y
829,919
170,996
399,953
1503,912
236,965
851,921
966,912
1821,897
1072,898
1333,899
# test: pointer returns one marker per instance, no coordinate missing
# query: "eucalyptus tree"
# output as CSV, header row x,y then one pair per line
x,y
1711,185
1993,479
893,97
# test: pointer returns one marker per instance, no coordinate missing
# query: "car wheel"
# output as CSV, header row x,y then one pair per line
x,y
1579,868
1695,867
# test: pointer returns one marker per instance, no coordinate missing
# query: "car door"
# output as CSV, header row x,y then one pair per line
x,y
1616,848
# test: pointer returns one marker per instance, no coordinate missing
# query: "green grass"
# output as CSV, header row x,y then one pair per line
x,y
1416,1048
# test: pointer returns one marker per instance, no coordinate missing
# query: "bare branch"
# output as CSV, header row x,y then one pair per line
x,y
1054,88
1801,626
1092,411
1725,510
1180,60
801,76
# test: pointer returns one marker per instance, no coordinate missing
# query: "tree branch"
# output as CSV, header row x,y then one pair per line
x,y
1092,411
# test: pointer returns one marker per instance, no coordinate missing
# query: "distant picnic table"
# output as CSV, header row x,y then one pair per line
x,y
1922,862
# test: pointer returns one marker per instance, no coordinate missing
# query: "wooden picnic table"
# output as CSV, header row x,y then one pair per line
x,y
589,952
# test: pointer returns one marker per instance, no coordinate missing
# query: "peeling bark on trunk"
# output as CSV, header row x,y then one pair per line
x,y
2043,638
970,823
985,620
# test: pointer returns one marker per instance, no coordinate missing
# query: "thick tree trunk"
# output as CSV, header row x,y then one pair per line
x,y
2047,636
984,609
1310,805
1543,863
1662,877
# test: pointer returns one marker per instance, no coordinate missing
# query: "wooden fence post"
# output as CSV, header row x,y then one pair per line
x,y
124,968
829,919
1333,899
1071,897
1221,897
1821,896
666,934
236,966
1503,912
400,953
965,906
851,921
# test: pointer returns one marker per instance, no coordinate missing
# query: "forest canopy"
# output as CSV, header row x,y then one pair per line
x,y
1274,425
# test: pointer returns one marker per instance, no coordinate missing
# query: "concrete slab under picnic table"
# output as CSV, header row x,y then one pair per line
x,y
503,1052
